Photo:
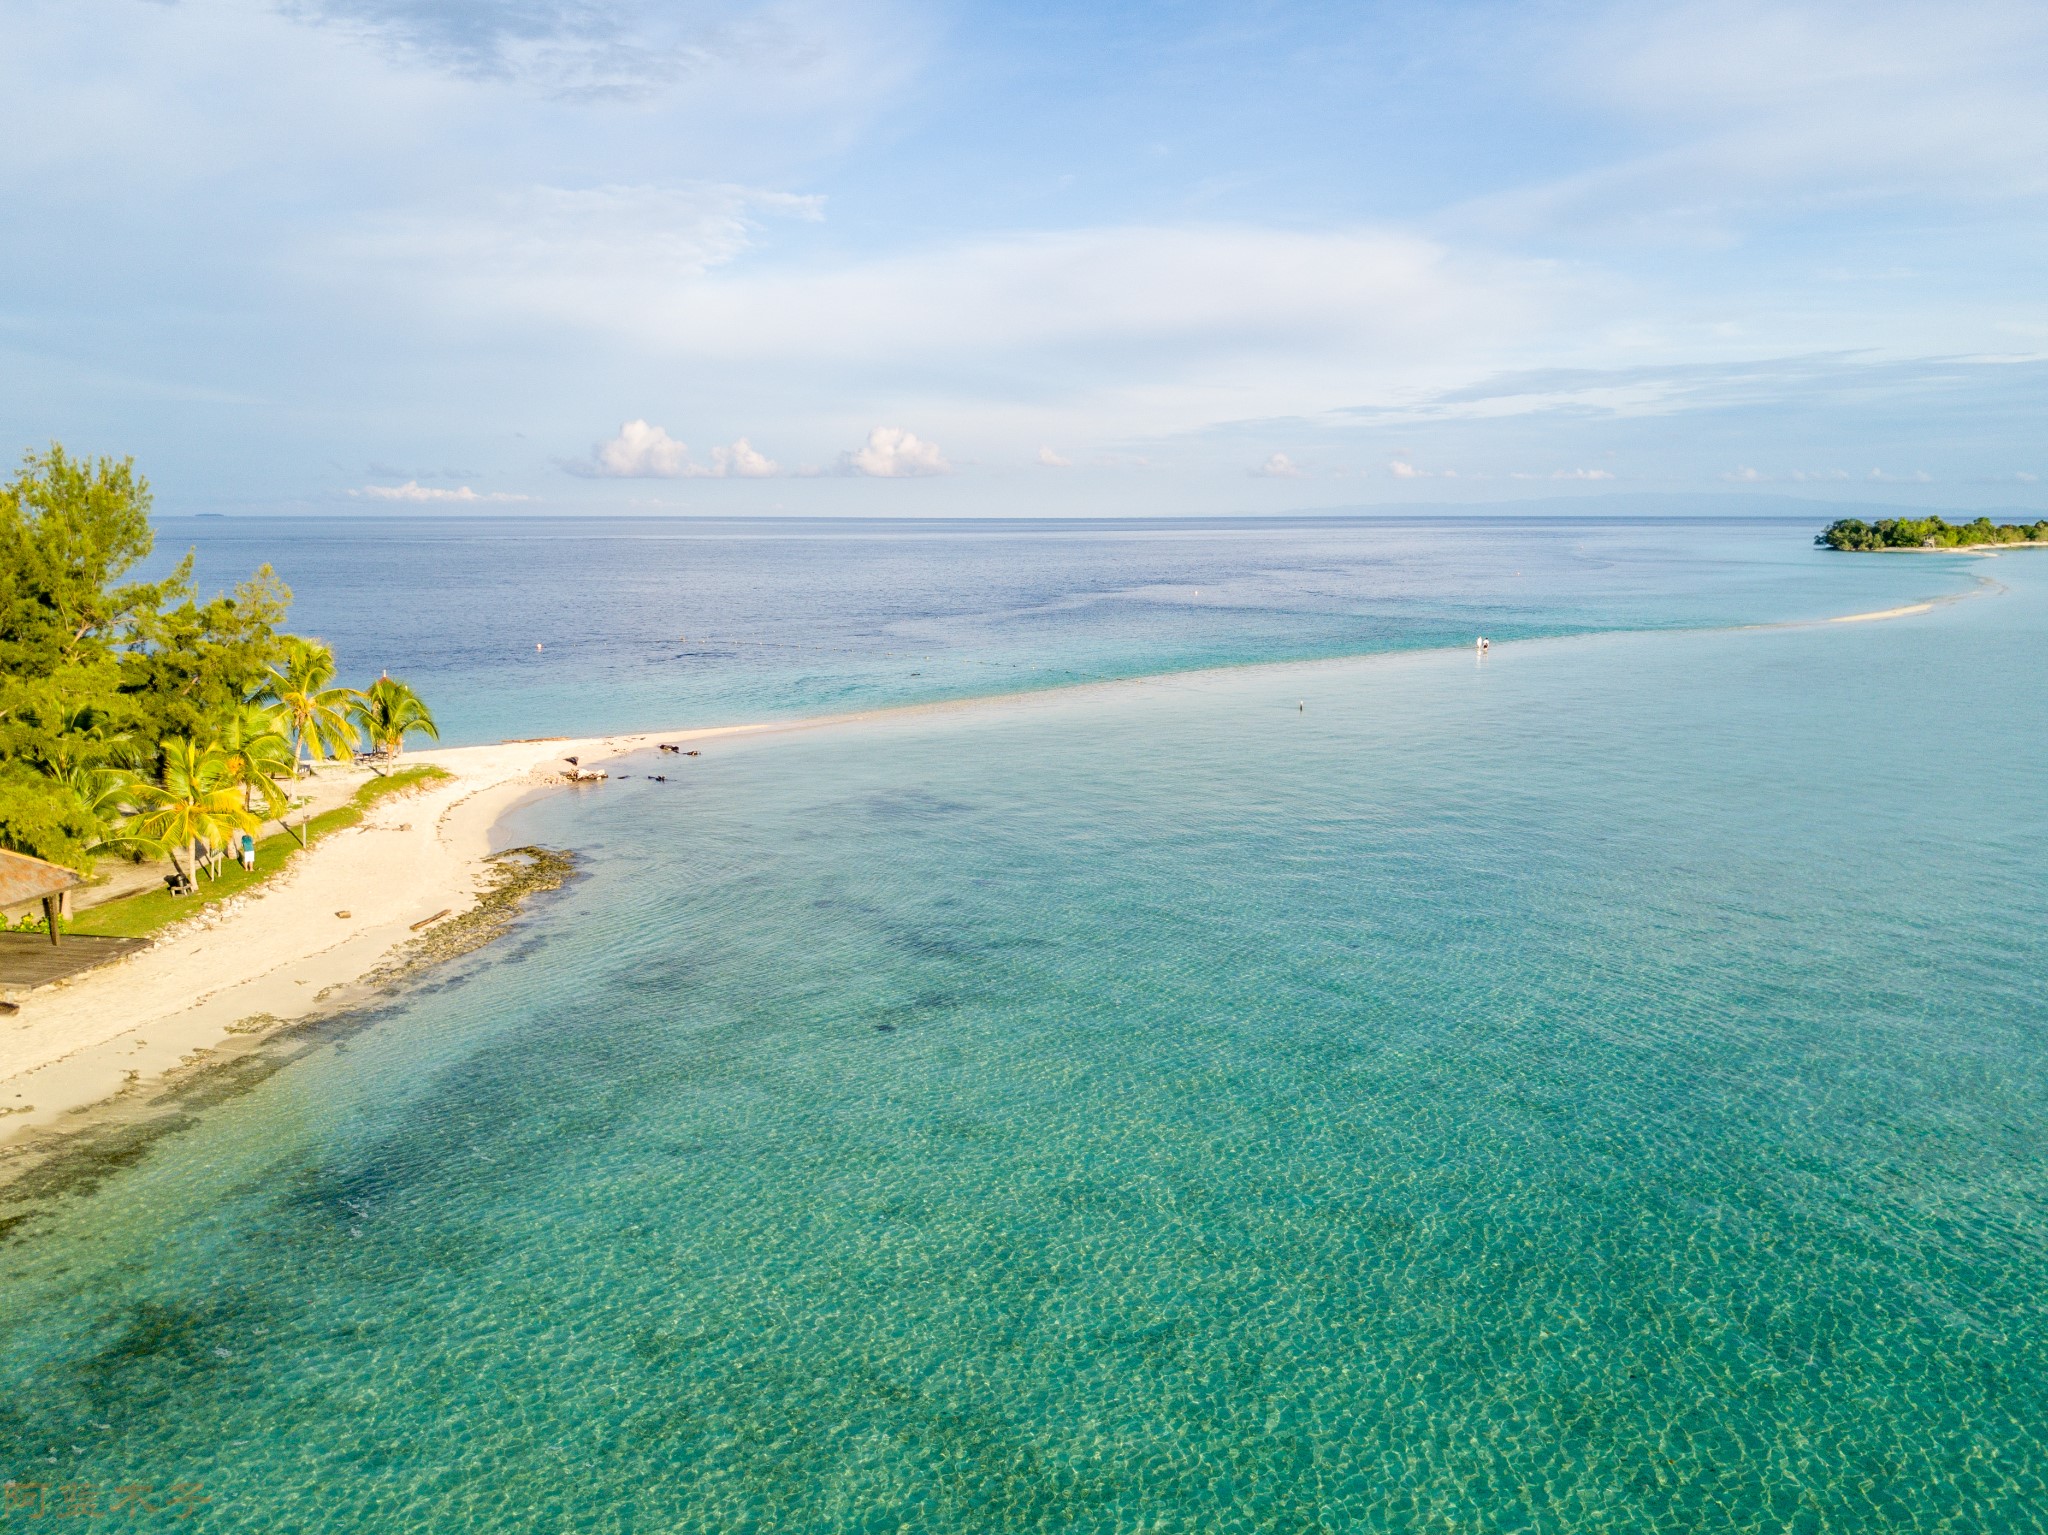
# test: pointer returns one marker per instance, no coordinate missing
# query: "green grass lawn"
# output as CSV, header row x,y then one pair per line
x,y
137,916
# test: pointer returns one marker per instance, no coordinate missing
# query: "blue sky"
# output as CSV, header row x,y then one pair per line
x,y
921,258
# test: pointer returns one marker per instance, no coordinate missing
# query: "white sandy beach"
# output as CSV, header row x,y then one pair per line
x,y
79,1043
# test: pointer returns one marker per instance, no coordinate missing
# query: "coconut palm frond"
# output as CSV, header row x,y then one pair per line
x,y
193,801
302,687
388,711
255,753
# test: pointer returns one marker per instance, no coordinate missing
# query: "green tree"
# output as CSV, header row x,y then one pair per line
x,y
71,530
301,685
194,800
101,673
388,711
1927,533
191,665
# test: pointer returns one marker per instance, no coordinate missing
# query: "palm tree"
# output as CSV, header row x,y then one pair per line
x,y
255,754
105,795
195,801
317,713
388,711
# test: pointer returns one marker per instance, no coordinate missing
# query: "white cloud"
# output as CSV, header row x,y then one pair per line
x,y
1278,466
1747,476
1917,477
643,451
1155,321
1051,460
741,460
892,453
1401,469
412,490
1581,474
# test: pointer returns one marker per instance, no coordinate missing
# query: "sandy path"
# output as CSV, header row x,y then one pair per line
x,y
78,1043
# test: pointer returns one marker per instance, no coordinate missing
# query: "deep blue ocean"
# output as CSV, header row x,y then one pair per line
x,y
1326,1081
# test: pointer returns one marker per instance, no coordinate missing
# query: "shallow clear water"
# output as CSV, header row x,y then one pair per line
x,y
1596,1088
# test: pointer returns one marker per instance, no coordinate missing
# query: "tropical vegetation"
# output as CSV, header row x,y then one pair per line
x,y
315,712
136,717
1927,533
138,916
388,711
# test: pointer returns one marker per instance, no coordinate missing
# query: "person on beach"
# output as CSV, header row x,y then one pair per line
x,y
248,852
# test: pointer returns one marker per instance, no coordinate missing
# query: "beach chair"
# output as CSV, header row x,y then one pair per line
x,y
180,883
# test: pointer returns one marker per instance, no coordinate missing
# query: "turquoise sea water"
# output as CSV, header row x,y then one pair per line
x,y
1599,1087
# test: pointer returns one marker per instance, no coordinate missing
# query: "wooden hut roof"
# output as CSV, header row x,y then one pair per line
x,y
24,879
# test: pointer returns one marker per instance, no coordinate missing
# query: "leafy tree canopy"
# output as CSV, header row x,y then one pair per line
x,y
189,665
1927,533
104,678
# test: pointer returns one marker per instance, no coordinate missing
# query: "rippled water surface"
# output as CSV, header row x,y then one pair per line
x,y
656,623
1600,1087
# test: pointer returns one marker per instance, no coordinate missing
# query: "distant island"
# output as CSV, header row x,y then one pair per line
x,y
1927,533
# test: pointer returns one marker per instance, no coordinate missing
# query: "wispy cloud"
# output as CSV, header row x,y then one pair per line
x,y
412,490
658,270
605,256
1278,466
618,48
1048,459
1740,105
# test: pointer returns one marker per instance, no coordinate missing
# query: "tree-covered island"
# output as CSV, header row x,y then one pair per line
x,y
1927,533
136,717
